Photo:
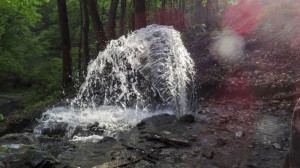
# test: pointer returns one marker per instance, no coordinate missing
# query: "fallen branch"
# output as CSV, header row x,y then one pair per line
x,y
133,148
149,158
169,141
141,158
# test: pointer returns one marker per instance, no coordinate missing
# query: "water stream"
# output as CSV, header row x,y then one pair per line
x,y
146,73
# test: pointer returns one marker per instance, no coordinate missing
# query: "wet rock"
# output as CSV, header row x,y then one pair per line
x,y
277,146
187,118
80,131
96,130
193,154
221,141
2,164
281,113
92,125
46,139
18,138
209,155
35,159
156,121
107,139
91,129
29,157
131,158
114,163
58,129
166,132
252,165
193,138
252,145
239,134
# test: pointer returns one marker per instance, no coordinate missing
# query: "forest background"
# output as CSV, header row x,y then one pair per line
x,y
46,45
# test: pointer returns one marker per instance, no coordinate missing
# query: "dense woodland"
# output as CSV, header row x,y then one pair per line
x,y
46,45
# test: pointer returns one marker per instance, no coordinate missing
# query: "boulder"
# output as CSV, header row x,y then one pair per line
x,y
156,121
187,118
59,129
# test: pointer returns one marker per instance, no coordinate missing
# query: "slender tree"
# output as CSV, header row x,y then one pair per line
x,y
122,17
65,44
140,14
111,26
93,11
85,32
163,12
79,58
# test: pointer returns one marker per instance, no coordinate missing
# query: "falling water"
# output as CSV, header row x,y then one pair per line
x,y
146,73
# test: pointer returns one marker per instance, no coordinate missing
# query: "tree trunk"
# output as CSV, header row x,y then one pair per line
x,y
80,77
93,11
163,12
132,17
65,44
111,26
156,13
140,14
79,46
85,33
163,3
122,17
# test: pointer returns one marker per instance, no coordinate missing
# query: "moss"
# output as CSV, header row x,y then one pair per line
x,y
2,149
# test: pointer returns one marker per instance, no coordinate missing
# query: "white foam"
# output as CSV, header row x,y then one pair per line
x,y
113,119
92,138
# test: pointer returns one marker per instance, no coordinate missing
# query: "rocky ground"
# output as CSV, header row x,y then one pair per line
x,y
224,133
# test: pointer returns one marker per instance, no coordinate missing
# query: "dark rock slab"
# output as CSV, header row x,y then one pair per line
x,y
59,130
18,138
155,122
187,118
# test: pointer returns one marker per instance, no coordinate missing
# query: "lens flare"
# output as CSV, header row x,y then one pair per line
x,y
228,47
243,16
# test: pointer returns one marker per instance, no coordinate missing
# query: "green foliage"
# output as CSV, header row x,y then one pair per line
x,y
16,39
204,2
1,117
214,33
32,146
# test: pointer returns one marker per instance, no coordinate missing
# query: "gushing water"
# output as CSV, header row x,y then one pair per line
x,y
147,73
